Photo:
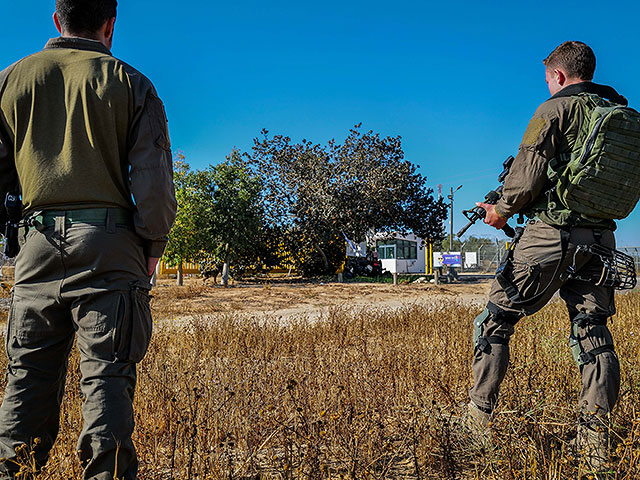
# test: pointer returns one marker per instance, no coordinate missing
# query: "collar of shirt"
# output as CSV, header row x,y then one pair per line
x,y
78,43
603,91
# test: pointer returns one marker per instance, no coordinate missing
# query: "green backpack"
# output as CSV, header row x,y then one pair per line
x,y
602,176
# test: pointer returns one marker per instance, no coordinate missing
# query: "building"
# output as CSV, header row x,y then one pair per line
x,y
404,253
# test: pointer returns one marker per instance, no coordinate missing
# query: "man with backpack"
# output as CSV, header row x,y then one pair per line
x,y
575,173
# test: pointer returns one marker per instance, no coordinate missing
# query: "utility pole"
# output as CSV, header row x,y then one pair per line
x,y
451,217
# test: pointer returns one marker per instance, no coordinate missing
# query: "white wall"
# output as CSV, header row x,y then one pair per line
x,y
416,266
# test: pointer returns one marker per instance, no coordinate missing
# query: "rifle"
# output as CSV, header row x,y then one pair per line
x,y
491,198
13,214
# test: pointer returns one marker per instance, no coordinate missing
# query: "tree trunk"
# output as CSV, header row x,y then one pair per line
x,y
179,280
325,262
226,266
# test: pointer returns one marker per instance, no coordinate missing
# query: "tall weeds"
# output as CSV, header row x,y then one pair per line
x,y
359,394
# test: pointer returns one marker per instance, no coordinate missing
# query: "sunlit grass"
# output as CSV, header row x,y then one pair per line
x,y
360,393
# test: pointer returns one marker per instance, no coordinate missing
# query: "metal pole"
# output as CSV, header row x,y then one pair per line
x,y
451,217
451,223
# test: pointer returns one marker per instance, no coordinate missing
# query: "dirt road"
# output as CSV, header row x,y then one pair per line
x,y
287,300
281,301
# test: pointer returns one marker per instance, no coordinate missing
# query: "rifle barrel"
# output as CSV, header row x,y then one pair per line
x,y
464,229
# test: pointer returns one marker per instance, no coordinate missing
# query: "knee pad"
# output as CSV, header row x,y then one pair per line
x,y
584,320
481,342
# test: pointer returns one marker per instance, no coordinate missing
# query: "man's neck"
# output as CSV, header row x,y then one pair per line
x,y
96,37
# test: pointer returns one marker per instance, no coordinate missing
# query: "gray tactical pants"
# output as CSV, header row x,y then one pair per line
x,y
535,265
89,280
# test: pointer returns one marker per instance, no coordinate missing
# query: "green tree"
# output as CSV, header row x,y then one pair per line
x,y
234,213
316,193
187,238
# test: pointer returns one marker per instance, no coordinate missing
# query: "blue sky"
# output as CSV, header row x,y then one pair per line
x,y
457,80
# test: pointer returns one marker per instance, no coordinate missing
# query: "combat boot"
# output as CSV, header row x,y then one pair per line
x,y
474,426
592,447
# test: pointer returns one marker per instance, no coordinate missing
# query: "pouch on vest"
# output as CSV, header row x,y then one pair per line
x,y
601,177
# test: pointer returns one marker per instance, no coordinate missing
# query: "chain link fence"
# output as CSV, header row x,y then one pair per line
x,y
488,256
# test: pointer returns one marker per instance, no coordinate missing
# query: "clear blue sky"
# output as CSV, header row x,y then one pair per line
x,y
457,80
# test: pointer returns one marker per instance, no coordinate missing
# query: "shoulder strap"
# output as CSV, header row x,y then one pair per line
x,y
9,182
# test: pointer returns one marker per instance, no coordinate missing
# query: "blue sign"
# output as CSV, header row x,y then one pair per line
x,y
453,259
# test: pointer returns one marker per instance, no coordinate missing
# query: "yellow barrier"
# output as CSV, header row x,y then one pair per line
x,y
428,254
187,268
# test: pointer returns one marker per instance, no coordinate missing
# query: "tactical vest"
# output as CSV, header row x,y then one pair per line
x,y
600,178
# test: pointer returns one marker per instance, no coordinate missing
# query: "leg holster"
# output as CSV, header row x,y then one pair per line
x,y
481,341
582,321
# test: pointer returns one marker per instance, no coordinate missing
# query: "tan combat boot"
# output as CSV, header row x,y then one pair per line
x,y
592,447
475,426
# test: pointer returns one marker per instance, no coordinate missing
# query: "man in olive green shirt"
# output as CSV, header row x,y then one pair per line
x,y
87,136
545,252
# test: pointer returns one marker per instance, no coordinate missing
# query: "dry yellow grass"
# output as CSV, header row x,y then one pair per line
x,y
361,394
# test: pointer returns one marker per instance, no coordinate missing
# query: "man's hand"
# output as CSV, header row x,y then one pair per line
x,y
151,265
492,217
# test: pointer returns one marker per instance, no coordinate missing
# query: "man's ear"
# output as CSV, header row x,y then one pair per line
x,y
561,78
109,27
56,21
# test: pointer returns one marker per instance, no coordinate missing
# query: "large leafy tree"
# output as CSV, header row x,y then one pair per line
x,y
234,213
188,238
314,194
220,218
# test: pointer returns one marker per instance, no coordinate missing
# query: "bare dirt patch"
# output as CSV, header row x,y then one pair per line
x,y
286,300
290,299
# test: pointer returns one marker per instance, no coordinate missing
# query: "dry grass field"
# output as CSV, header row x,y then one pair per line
x,y
361,389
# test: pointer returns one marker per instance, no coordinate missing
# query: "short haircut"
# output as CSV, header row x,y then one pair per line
x,y
84,16
575,58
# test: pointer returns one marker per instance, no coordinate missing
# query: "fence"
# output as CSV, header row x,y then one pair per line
x,y
489,256
187,268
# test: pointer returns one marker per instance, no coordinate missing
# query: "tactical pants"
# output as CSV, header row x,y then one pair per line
x,y
90,280
536,265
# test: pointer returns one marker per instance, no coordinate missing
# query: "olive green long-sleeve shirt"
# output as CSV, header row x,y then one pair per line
x,y
551,134
86,130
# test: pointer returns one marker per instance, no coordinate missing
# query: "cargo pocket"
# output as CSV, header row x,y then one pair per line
x,y
527,278
134,333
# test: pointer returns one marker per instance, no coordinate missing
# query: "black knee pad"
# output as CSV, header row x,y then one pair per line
x,y
583,321
481,342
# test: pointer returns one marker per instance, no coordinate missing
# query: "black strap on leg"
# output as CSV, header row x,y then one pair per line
x,y
506,268
590,356
484,343
583,320
501,317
